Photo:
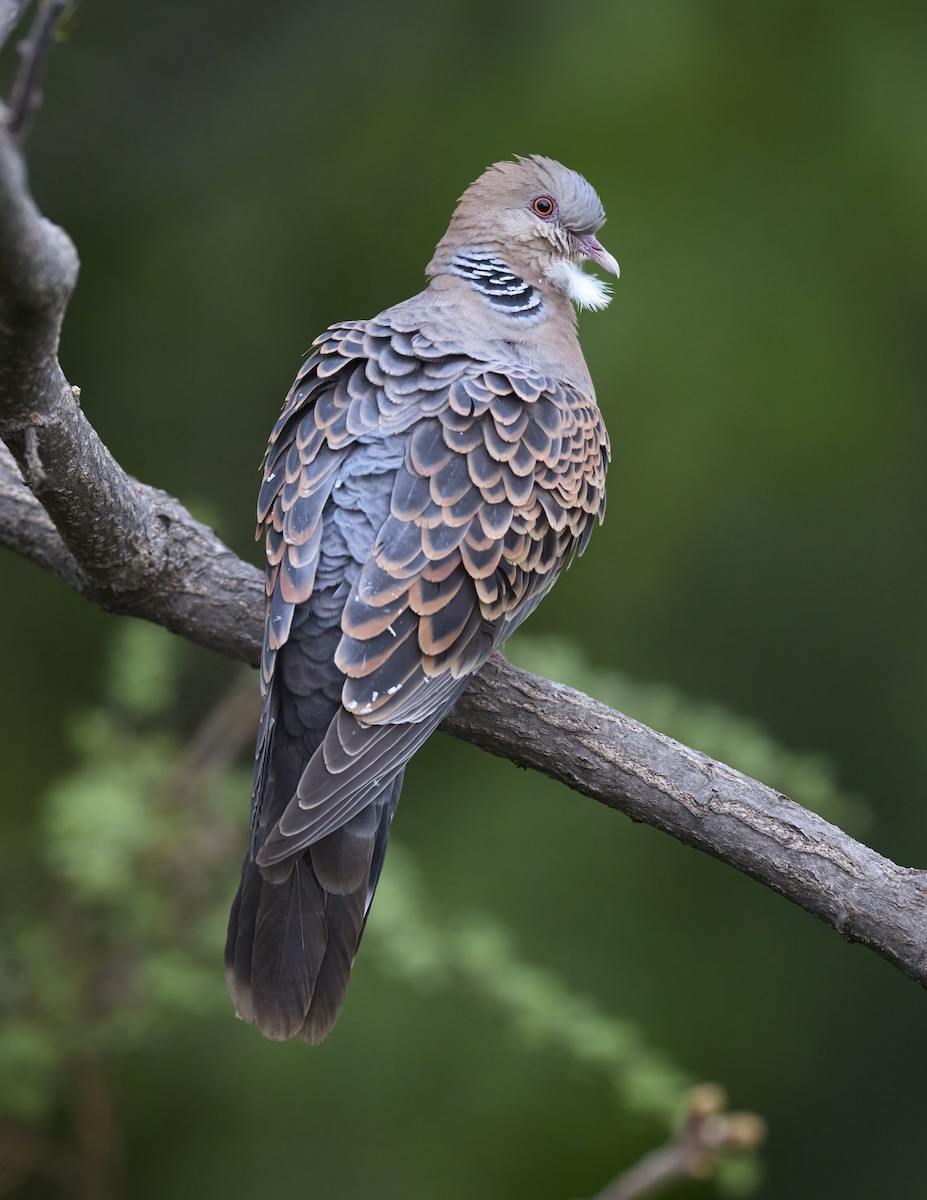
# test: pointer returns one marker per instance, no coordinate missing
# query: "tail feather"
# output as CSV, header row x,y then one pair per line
x,y
290,935
347,917
341,861
345,923
240,940
292,941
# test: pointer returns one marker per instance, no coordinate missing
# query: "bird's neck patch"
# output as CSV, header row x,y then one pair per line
x,y
586,291
504,290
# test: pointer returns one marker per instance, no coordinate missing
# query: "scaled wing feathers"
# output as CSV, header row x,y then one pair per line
x,y
502,476
417,504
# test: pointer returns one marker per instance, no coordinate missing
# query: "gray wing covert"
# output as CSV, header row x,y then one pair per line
x,y
502,479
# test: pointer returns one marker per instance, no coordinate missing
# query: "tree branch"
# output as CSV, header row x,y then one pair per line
x,y
127,547
10,12
133,549
26,96
707,1134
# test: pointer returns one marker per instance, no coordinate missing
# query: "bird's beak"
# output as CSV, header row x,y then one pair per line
x,y
593,249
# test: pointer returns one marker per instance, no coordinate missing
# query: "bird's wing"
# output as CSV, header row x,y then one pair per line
x,y
502,480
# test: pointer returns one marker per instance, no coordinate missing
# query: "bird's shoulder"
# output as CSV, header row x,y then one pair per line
x,y
497,474
370,379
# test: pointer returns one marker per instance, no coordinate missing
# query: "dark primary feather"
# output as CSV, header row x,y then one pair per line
x,y
417,505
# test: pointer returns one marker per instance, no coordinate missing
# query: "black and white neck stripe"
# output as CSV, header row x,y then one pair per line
x,y
504,290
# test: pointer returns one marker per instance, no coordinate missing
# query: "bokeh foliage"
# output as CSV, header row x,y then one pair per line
x,y
113,945
237,177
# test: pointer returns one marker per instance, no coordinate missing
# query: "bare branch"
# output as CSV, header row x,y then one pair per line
x,y
136,550
24,1153
706,1134
703,803
27,529
129,548
10,12
26,96
188,580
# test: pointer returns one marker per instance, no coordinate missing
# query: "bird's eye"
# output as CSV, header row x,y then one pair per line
x,y
543,206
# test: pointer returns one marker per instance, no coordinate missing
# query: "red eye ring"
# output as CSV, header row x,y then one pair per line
x,y
544,206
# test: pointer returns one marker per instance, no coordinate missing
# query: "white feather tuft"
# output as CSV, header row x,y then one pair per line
x,y
586,291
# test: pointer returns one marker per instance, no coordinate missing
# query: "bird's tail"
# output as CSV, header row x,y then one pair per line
x,y
292,941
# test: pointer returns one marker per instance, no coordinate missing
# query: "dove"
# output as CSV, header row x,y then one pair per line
x,y
432,472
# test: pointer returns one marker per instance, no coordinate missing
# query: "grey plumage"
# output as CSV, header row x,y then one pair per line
x,y
431,473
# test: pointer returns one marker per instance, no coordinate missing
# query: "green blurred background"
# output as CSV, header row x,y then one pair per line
x,y
236,177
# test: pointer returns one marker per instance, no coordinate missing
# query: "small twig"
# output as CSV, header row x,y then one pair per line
x,y
224,732
36,479
10,12
25,1153
26,96
707,1134
97,1129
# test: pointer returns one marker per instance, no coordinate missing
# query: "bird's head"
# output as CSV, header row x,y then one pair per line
x,y
541,218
